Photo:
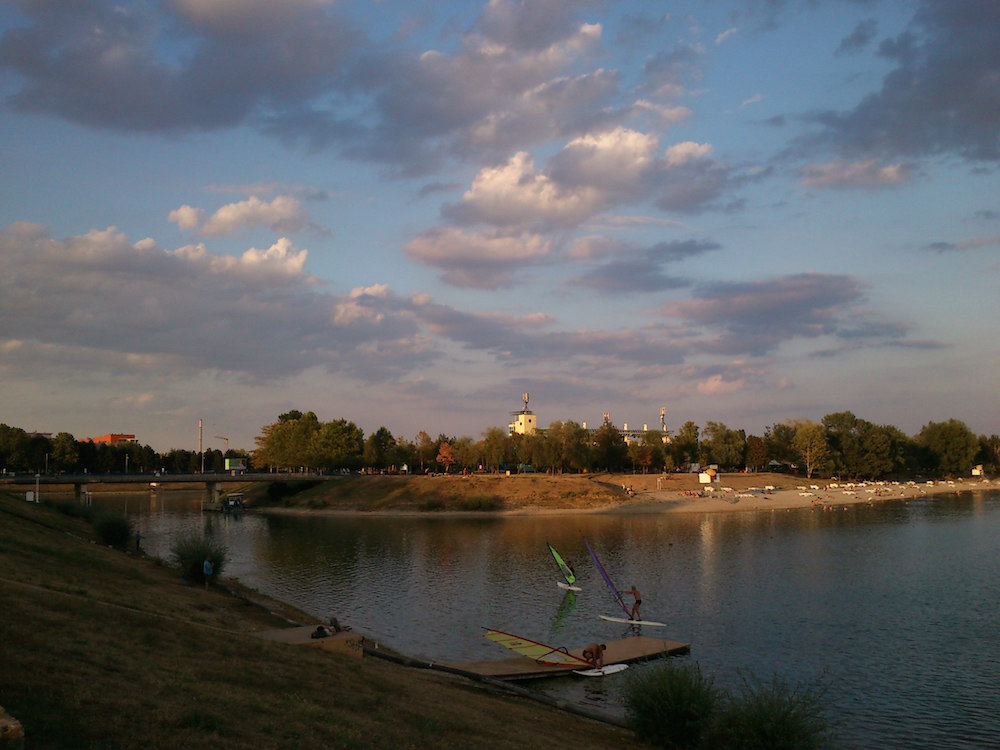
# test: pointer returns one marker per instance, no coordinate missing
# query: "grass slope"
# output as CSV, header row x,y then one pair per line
x,y
104,649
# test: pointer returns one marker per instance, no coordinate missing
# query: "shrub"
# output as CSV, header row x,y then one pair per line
x,y
74,509
671,706
189,553
113,529
774,717
481,502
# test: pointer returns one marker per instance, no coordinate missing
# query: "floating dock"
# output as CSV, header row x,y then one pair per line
x,y
625,651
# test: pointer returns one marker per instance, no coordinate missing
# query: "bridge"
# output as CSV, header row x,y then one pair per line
x,y
214,483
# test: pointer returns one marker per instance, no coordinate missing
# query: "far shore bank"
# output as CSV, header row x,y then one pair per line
x,y
634,494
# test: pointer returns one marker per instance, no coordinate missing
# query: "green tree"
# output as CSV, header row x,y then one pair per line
x,y
779,439
653,441
286,443
495,447
810,445
567,446
685,445
724,446
426,450
65,453
844,443
377,448
337,445
756,453
952,445
610,451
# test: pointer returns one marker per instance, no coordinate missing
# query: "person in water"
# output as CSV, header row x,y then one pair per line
x,y
634,593
594,653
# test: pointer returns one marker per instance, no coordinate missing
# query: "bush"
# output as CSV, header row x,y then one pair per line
x,y
113,529
774,717
671,706
189,553
677,707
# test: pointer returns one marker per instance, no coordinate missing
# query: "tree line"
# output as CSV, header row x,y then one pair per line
x,y
839,445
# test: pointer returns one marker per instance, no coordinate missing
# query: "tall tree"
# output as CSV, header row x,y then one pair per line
x,y
952,445
685,444
377,447
756,453
810,445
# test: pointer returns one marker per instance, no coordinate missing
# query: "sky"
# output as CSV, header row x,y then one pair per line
x,y
409,214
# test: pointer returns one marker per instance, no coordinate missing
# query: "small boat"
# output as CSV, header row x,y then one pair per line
x,y
231,503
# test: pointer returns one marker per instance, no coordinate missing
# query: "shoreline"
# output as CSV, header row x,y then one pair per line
x,y
828,496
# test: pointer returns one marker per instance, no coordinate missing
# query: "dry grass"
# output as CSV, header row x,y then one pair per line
x,y
103,649
523,492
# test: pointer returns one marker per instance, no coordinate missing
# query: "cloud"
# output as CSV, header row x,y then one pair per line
x,y
755,318
859,38
956,247
186,217
590,174
725,36
477,260
117,67
139,308
941,97
634,271
283,214
846,175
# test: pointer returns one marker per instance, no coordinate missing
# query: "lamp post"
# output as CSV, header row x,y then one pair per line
x,y
37,499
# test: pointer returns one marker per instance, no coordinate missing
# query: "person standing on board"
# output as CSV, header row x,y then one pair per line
x,y
634,592
594,653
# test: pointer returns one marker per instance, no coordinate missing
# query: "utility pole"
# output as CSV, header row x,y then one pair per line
x,y
225,438
200,452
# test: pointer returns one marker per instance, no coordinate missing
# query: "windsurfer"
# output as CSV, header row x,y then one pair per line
x,y
634,592
594,653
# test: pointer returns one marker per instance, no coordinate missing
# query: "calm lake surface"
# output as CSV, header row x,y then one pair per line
x,y
894,609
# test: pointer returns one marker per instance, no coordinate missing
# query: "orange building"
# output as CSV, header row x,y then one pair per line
x,y
113,438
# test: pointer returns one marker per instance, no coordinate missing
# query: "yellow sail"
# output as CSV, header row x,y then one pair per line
x,y
540,652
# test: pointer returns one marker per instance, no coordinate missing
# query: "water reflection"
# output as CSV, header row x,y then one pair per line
x,y
896,604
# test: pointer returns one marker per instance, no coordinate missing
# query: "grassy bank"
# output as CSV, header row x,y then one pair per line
x,y
489,492
104,649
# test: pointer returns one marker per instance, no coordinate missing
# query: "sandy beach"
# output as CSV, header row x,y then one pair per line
x,y
823,495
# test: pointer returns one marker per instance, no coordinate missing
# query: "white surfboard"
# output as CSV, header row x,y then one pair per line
x,y
650,623
566,586
606,669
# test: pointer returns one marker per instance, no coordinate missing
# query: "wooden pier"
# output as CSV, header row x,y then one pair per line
x,y
625,651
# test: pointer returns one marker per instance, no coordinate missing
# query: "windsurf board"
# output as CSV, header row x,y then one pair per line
x,y
606,669
568,587
627,621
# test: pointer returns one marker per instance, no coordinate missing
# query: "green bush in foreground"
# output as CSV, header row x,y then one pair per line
x,y
671,706
189,553
114,529
775,717
677,707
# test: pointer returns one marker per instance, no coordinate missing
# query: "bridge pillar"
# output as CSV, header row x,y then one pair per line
x,y
214,490
81,493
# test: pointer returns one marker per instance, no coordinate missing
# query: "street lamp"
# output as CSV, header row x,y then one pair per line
x,y
37,499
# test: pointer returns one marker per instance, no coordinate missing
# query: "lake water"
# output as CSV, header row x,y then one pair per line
x,y
893,609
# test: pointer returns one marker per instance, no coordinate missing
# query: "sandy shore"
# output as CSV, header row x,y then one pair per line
x,y
821,496
663,494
